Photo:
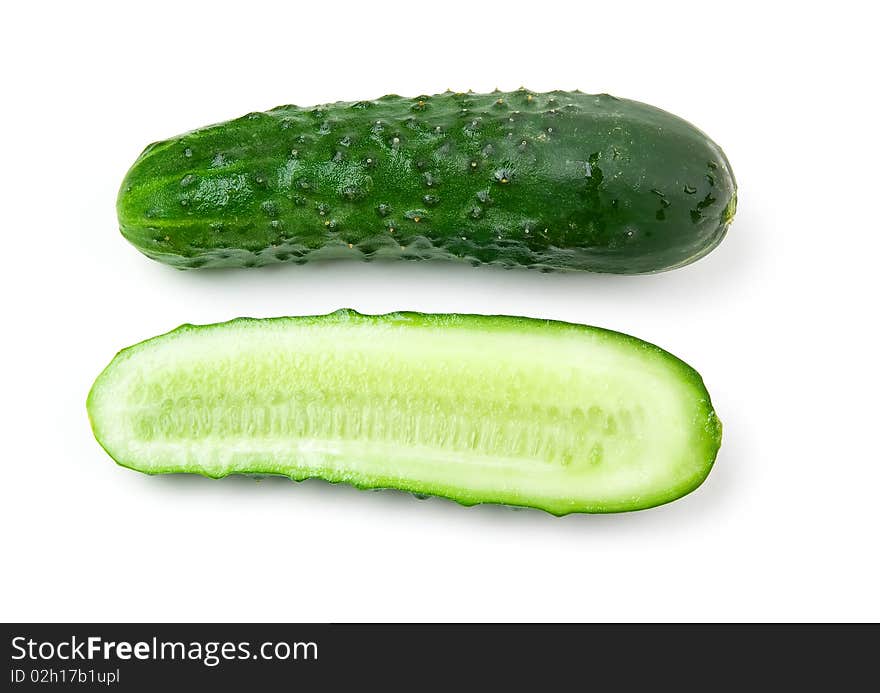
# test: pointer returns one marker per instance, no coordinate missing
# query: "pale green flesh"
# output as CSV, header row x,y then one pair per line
x,y
561,417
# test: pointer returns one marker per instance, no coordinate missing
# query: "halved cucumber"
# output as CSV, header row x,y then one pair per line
x,y
480,409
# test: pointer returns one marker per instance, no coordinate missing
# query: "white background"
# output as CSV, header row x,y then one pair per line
x,y
781,319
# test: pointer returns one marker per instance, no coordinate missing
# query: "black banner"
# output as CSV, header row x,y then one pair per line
x,y
134,657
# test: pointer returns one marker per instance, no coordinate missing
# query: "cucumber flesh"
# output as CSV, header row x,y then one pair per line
x,y
479,409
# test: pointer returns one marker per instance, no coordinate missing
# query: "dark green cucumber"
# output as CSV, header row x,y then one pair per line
x,y
480,409
562,180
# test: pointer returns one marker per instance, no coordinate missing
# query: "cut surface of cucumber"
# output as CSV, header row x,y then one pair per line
x,y
480,409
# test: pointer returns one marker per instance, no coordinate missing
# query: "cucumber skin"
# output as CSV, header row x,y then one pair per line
x,y
709,439
555,181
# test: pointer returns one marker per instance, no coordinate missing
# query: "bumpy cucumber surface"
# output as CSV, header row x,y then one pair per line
x,y
480,409
561,180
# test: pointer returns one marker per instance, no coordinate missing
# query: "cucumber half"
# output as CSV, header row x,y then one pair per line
x,y
480,409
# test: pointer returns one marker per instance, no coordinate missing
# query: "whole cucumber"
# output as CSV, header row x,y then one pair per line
x,y
562,180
